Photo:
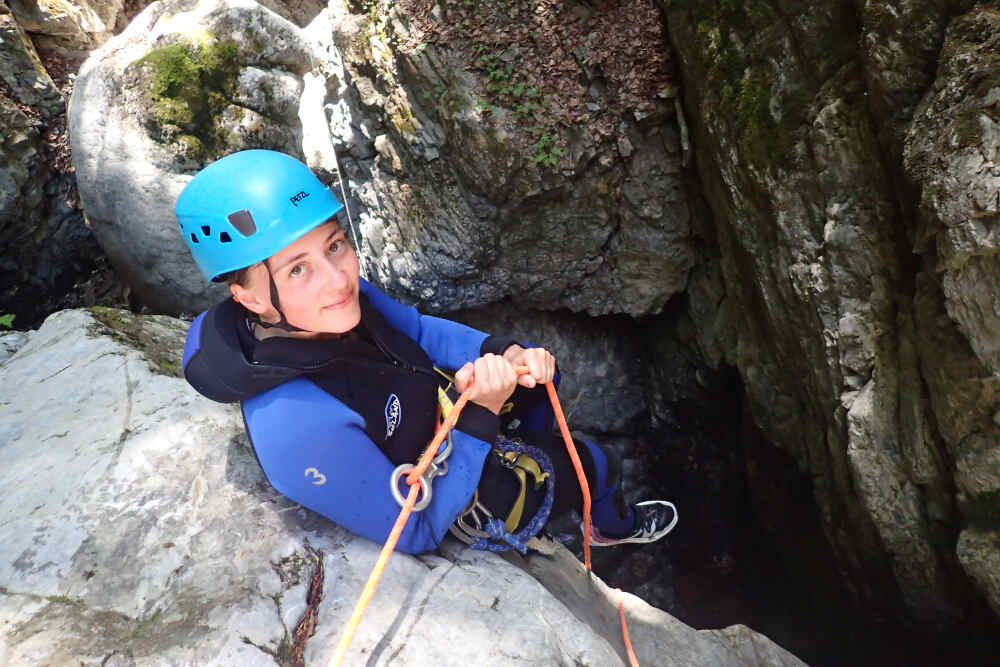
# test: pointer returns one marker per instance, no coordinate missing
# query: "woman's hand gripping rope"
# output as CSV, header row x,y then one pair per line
x,y
414,480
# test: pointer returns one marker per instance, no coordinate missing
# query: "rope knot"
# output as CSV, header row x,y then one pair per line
x,y
498,531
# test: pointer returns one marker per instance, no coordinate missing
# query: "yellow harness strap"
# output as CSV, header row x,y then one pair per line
x,y
521,464
447,403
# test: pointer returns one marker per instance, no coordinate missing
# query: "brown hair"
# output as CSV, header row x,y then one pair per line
x,y
237,277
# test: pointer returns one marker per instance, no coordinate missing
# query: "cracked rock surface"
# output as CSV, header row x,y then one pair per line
x,y
451,211
849,156
138,529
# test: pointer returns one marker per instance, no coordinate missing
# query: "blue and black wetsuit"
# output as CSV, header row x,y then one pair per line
x,y
330,419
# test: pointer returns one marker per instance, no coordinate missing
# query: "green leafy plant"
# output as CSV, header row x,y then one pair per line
x,y
547,150
6,320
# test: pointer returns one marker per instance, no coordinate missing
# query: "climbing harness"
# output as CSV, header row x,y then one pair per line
x,y
413,478
493,534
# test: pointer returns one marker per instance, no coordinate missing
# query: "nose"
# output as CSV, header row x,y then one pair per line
x,y
334,275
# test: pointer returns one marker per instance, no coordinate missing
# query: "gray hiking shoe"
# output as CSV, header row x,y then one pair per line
x,y
653,520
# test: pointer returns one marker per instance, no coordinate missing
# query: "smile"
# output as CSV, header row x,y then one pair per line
x,y
346,301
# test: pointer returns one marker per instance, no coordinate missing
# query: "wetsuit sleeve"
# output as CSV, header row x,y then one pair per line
x,y
449,344
314,450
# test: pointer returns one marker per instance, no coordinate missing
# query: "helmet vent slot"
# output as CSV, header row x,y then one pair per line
x,y
206,230
194,239
243,221
224,238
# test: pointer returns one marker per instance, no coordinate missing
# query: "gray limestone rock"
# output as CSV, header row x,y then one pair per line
x,y
70,27
979,553
44,245
11,342
598,360
814,295
23,76
449,214
952,153
140,530
459,215
136,141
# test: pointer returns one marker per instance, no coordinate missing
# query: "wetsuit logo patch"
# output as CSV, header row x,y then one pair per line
x,y
393,415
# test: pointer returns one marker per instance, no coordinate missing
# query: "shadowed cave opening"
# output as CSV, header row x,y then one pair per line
x,y
750,549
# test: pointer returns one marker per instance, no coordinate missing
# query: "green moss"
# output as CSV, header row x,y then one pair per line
x,y
62,599
403,120
142,627
130,330
740,79
191,84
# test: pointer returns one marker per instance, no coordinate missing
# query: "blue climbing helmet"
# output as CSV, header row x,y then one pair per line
x,y
247,206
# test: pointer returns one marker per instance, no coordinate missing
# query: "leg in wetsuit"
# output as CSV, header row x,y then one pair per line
x,y
499,487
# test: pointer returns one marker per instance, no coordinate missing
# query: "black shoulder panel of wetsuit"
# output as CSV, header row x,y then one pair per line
x,y
496,344
388,379
220,369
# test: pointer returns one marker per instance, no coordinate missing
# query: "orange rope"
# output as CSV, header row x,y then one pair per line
x,y
628,642
413,479
584,487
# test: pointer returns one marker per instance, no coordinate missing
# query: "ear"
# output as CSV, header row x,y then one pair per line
x,y
249,299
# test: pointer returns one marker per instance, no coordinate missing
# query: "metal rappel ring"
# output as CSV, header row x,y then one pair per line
x,y
438,467
425,488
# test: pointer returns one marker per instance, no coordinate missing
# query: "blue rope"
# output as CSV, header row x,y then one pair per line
x,y
497,528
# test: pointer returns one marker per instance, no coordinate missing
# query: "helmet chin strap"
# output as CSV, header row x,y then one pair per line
x,y
276,303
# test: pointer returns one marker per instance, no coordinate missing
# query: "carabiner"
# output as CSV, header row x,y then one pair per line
x,y
438,467
425,487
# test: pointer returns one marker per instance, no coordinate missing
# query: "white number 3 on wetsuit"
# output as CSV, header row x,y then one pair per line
x,y
316,476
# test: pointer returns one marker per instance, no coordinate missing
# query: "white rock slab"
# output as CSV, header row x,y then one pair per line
x,y
137,529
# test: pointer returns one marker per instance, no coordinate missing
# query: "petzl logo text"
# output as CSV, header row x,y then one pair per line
x,y
393,415
298,196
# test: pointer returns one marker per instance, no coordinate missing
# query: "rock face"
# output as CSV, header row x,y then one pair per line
x,y
862,323
151,536
151,105
848,155
598,359
453,209
952,153
467,215
75,27
44,245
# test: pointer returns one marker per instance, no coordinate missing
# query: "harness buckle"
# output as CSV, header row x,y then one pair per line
x,y
508,461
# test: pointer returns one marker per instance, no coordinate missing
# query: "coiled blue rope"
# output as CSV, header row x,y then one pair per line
x,y
497,529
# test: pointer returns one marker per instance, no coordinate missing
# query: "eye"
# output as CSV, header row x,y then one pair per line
x,y
296,270
337,245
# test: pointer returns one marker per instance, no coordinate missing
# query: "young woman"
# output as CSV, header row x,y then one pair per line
x,y
340,384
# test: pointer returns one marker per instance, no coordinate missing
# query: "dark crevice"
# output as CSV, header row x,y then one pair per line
x,y
750,549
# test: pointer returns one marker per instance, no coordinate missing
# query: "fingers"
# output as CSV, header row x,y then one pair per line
x,y
464,377
494,381
541,366
494,374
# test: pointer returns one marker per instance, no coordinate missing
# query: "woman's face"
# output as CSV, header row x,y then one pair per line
x,y
317,277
